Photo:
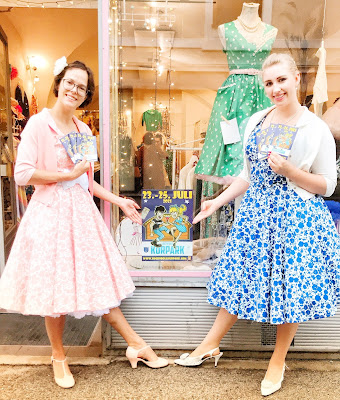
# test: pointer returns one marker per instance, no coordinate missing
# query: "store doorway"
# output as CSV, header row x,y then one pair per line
x,y
33,39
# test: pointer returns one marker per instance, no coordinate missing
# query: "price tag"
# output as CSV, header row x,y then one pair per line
x,y
230,131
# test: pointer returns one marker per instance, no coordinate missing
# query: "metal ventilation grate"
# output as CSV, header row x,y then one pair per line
x,y
180,317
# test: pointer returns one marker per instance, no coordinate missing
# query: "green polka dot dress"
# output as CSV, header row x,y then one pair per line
x,y
240,96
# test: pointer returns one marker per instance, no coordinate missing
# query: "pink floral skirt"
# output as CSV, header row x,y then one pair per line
x,y
64,260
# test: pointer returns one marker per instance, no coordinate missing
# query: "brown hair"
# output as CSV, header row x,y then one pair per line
x,y
90,82
148,138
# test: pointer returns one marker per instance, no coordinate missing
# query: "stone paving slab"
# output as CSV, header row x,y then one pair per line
x,y
231,380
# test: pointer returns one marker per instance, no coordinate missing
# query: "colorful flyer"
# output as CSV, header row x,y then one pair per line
x,y
80,138
267,142
278,138
167,225
283,139
88,148
261,138
73,139
65,141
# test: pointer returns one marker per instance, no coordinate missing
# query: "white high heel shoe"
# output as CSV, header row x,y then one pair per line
x,y
268,387
187,361
67,381
132,356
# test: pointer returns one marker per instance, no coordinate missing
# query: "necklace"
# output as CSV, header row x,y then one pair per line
x,y
249,28
289,119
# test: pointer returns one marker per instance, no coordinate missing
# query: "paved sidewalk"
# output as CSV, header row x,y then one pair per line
x,y
231,380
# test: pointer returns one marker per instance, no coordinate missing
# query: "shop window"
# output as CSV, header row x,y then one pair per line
x,y
172,89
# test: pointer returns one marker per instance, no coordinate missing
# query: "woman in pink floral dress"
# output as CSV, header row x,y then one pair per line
x,y
63,260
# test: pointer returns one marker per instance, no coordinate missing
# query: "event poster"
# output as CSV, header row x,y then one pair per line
x,y
167,225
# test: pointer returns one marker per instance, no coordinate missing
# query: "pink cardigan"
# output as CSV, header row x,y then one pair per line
x,y
37,151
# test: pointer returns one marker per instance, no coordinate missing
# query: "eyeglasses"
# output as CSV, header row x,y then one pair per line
x,y
69,85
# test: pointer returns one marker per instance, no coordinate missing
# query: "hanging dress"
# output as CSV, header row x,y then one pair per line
x,y
240,96
281,262
64,260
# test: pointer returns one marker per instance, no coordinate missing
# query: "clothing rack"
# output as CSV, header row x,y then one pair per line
x,y
178,147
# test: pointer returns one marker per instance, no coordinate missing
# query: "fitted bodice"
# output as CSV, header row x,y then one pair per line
x,y
242,54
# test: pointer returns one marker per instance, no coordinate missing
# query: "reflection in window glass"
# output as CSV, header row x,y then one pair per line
x,y
184,73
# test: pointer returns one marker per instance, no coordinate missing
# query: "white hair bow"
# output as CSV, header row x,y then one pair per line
x,y
59,65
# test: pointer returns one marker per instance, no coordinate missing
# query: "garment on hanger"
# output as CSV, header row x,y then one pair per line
x,y
34,105
190,182
240,96
152,120
184,172
320,95
22,99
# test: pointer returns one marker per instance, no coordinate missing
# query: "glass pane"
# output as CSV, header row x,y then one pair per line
x,y
166,84
183,70
7,156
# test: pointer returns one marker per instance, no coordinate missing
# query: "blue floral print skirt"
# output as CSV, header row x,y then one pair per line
x,y
281,262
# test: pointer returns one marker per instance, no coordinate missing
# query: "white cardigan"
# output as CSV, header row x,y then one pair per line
x,y
313,150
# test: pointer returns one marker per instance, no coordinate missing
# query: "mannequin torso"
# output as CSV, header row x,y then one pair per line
x,y
248,24
241,94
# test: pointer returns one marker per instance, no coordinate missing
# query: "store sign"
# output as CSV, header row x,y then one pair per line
x,y
167,225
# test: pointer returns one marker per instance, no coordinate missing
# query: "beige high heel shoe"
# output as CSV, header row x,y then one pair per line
x,y
132,356
186,361
268,387
67,381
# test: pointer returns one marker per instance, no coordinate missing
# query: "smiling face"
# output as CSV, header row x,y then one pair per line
x,y
174,214
159,214
71,98
158,141
280,84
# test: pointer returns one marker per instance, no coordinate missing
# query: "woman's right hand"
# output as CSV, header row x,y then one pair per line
x,y
79,169
207,208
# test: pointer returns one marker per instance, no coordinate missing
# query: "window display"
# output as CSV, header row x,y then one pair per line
x,y
176,124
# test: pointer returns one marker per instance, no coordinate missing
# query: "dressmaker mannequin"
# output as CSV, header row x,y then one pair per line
x,y
247,41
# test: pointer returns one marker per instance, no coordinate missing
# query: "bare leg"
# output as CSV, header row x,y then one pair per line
x,y
117,320
178,236
55,329
223,323
284,336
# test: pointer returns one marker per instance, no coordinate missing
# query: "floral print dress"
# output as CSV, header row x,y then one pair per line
x,y
281,262
64,260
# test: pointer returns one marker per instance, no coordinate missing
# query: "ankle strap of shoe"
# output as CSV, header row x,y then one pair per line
x,y
61,361
143,348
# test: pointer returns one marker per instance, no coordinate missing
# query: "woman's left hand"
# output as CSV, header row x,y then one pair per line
x,y
280,165
130,207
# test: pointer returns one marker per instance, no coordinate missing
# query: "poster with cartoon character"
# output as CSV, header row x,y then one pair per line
x,y
167,225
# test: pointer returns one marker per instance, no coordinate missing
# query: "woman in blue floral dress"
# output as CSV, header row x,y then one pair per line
x,y
281,263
